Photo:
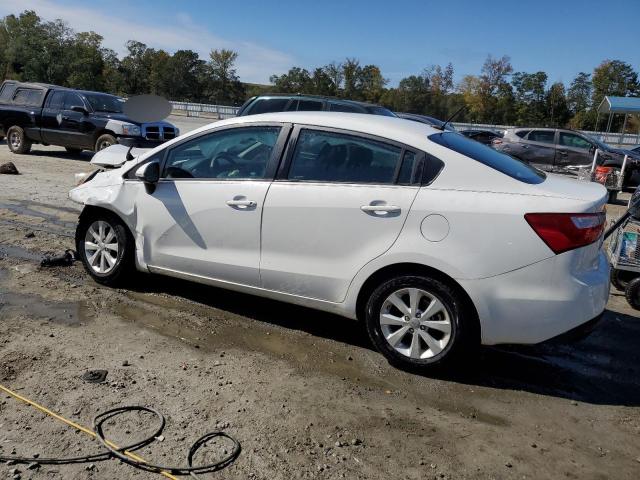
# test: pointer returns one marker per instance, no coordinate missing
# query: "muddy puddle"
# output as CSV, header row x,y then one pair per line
x,y
20,253
36,307
303,352
62,217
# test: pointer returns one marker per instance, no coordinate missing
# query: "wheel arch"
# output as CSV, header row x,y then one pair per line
x,y
408,268
90,210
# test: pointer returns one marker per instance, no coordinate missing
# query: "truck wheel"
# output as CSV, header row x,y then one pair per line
x,y
632,293
104,141
18,141
75,151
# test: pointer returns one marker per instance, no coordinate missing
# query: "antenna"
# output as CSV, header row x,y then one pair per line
x,y
452,117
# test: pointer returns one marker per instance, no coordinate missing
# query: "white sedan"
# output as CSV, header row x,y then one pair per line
x,y
436,241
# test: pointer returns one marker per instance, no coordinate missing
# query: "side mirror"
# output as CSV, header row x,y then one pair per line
x,y
78,108
149,173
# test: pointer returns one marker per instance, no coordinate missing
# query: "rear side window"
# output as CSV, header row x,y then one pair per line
x,y
489,157
343,107
268,105
334,157
28,97
57,100
522,133
543,136
309,105
72,100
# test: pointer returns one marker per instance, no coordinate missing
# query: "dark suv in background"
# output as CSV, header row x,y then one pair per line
x,y
308,103
558,150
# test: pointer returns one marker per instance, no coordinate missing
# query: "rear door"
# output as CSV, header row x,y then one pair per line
x,y
339,201
539,148
573,149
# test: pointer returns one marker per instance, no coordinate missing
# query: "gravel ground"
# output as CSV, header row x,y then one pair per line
x,y
303,391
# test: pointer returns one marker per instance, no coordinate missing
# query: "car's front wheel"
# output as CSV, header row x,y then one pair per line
x,y
418,322
105,247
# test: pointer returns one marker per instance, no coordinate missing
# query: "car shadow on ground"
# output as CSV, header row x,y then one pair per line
x,y
603,369
85,155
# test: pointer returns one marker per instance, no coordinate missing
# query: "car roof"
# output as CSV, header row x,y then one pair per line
x,y
394,128
318,97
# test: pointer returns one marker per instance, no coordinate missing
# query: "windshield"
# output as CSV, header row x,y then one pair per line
x,y
599,144
489,157
105,103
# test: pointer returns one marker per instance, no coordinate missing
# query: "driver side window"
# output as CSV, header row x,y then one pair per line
x,y
233,154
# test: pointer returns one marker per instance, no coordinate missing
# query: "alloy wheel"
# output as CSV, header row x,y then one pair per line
x,y
415,323
104,144
15,140
101,247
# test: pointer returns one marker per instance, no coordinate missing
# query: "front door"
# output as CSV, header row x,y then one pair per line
x,y
204,216
573,150
339,202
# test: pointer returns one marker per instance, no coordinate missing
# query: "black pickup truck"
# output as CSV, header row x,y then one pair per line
x,y
75,119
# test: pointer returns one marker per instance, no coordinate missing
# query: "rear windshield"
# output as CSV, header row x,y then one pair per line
x,y
489,157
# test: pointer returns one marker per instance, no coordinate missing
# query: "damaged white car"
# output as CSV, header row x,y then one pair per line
x,y
437,242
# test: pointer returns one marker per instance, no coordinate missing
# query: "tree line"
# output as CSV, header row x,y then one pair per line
x,y
49,51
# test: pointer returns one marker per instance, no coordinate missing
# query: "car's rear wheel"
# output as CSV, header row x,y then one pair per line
x,y
104,141
18,141
418,322
105,247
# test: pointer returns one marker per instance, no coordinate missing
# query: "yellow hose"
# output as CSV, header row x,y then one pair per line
x,y
86,430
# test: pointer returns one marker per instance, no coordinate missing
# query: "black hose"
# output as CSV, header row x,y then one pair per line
x,y
118,453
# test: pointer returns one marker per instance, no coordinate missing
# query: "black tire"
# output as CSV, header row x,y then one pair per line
x,y
619,279
462,337
104,141
613,196
124,264
75,151
632,293
17,140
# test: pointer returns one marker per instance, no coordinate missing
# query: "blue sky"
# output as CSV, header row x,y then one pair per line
x,y
402,37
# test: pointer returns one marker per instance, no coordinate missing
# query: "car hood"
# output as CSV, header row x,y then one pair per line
x,y
115,156
123,118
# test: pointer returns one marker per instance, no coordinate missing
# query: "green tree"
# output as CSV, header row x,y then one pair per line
x,y
530,97
557,110
296,80
224,84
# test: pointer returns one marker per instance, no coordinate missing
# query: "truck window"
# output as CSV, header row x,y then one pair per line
x,y
72,100
57,101
28,97
7,92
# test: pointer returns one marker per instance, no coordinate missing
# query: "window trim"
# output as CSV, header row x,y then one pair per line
x,y
272,164
285,165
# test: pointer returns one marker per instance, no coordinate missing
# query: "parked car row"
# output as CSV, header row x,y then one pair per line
x,y
75,119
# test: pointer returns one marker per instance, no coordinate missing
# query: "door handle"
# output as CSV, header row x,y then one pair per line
x,y
380,209
241,203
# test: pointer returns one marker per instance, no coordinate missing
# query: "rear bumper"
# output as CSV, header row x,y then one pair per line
x,y
544,300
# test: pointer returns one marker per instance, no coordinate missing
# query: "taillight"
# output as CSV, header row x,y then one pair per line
x,y
566,231
602,173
